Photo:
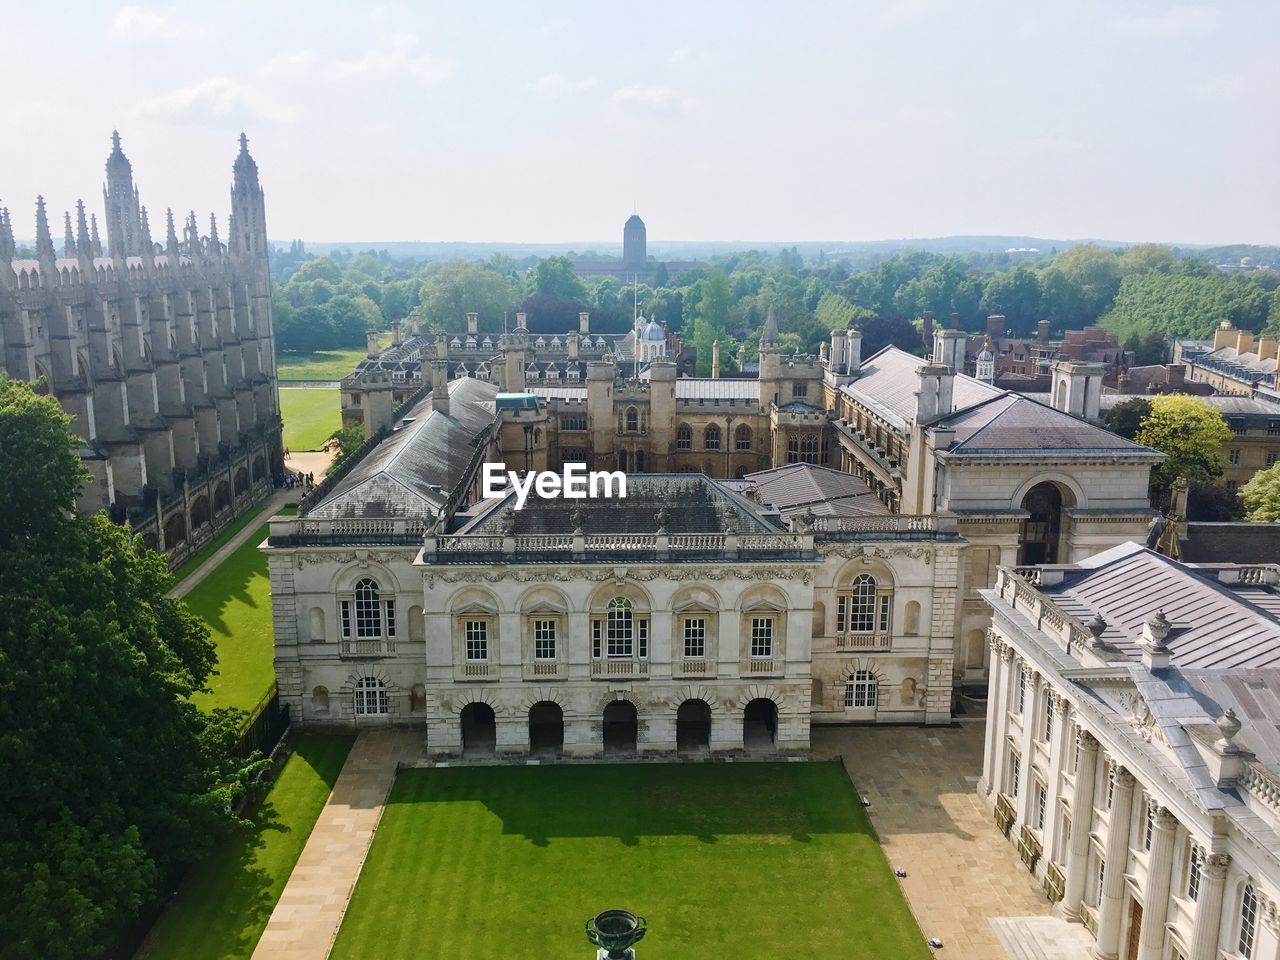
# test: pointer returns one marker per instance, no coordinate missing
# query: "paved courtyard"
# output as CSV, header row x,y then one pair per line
x,y
922,784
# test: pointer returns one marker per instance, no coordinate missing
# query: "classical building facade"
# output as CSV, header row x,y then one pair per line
x,y
1234,362
162,353
1131,749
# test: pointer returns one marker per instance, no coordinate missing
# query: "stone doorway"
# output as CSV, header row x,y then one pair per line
x,y
760,725
546,729
693,727
479,730
621,728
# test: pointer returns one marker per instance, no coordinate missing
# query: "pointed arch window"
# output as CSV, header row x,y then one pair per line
x,y
711,439
684,437
742,437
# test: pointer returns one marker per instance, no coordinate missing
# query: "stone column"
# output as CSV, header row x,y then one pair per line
x,y
995,714
1117,858
1081,821
1155,910
1208,921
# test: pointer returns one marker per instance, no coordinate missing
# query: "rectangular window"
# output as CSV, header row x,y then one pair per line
x,y
799,390
367,618
1111,786
1102,876
620,636
886,612
762,637
1148,827
695,638
597,630
1272,457
1234,456
1042,801
477,637
544,639
842,613
1048,718
1015,773
1193,872
574,423
1022,689
642,638
391,617
344,614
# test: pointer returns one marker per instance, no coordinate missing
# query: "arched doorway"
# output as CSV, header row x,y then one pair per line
x,y
693,726
479,730
546,729
621,727
760,724
1039,534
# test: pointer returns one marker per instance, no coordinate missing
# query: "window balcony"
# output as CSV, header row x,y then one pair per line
x,y
609,669
763,668
693,668
376,647
864,641
475,670
544,670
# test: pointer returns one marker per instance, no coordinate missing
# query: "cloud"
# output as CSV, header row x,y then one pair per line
x,y
558,85
138,23
680,55
642,101
290,64
1179,21
397,58
215,98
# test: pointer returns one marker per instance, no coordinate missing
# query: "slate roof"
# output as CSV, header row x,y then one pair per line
x,y
693,504
411,473
888,383
704,388
1239,542
1214,625
801,486
1012,423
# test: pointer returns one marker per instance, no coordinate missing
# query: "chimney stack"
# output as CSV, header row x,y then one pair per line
x,y
1268,349
1222,337
715,359
584,322
473,322
371,337
522,320
1244,342
1077,389
949,349
395,333
1042,331
442,347
933,396
995,326
440,386
853,351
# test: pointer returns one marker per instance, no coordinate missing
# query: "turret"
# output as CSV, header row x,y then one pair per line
x,y
120,198
8,249
215,246
44,241
148,248
248,209
95,242
68,237
171,239
84,246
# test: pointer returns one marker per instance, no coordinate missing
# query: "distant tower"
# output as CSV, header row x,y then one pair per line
x,y
985,366
124,217
248,231
634,243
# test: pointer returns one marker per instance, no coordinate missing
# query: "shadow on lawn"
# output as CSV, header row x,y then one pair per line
x,y
229,584
630,801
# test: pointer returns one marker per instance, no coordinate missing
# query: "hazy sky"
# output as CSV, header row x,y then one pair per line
x,y
734,121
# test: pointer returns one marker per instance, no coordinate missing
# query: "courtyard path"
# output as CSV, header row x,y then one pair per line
x,y
309,912
922,784
268,508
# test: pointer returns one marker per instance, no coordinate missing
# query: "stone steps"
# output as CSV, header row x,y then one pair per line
x,y
1041,938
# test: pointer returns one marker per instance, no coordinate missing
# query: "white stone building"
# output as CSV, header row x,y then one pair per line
x,y
1132,751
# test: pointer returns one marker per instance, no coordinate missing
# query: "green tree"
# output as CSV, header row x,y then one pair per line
x,y
1261,496
460,287
321,268
555,277
345,442
708,316
116,781
1191,433
1017,294
1082,283
1126,418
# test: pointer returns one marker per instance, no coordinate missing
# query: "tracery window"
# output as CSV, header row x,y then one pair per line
x,y
684,437
711,439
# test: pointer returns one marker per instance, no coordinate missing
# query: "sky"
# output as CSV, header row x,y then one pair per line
x,y
551,122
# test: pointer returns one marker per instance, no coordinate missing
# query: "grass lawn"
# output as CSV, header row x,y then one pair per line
x,y
226,901
310,414
323,364
234,600
754,860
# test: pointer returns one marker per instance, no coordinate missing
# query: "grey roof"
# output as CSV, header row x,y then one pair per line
x,y
1236,542
801,486
411,473
558,393
888,382
1214,626
1013,423
693,504
705,388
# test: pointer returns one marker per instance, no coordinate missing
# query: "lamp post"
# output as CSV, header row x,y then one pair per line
x,y
614,931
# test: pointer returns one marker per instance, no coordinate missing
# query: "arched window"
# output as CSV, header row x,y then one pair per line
x,y
1248,921
633,420
374,613
684,437
742,437
860,691
371,697
621,627
864,607
368,616
711,439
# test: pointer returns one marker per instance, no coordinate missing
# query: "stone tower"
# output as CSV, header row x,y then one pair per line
x,y
124,216
248,210
634,244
